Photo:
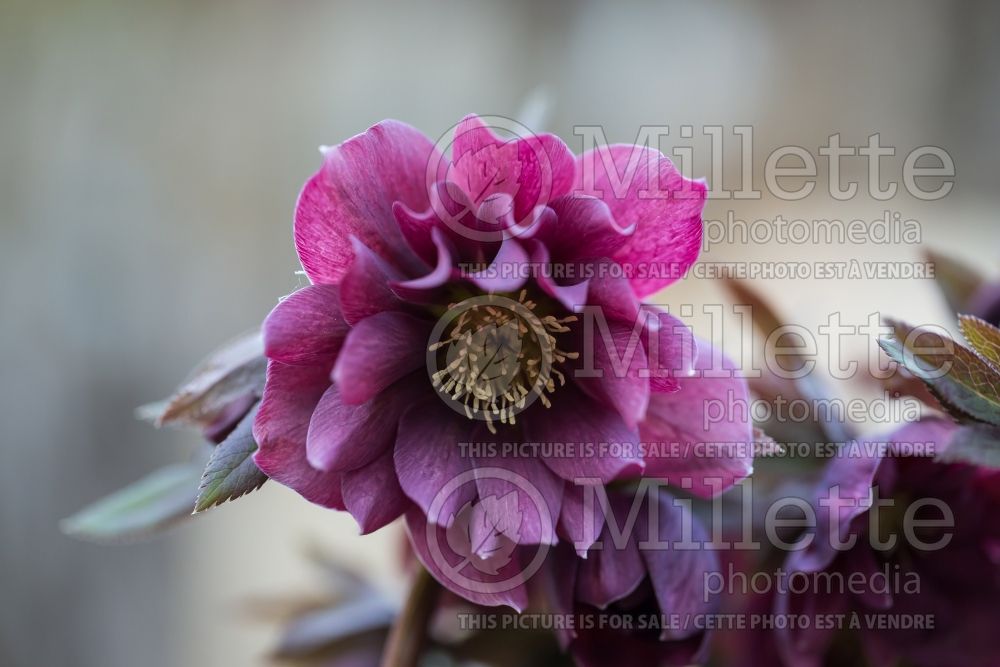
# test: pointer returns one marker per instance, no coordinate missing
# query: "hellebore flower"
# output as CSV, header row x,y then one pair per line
x,y
489,299
639,598
948,574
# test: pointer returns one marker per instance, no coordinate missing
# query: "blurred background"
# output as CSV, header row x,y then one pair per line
x,y
151,157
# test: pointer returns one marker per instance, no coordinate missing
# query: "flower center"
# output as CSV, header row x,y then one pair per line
x,y
497,356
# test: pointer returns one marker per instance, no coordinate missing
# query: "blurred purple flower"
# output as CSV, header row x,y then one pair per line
x,y
639,600
363,410
958,584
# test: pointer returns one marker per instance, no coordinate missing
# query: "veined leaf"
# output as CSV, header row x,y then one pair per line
x,y
140,509
983,337
486,532
978,444
231,471
965,384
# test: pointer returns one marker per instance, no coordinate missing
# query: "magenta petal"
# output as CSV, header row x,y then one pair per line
x,y
671,350
853,477
678,575
644,189
507,272
863,560
290,396
802,646
372,494
533,170
598,443
353,194
570,296
581,521
345,437
306,327
537,495
620,359
613,295
705,410
561,163
428,456
378,351
582,227
456,572
615,570
416,228
556,582
422,289
364,290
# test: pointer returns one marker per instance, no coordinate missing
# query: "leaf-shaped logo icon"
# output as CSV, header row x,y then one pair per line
x,y
494,360
486,532
484,173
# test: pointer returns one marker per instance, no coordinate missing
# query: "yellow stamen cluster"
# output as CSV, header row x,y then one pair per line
x,y
499,356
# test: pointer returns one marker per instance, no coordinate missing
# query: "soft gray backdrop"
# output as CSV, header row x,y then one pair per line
x,y
150,156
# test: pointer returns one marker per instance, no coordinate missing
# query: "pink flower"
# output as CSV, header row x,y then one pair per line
x,y
447,306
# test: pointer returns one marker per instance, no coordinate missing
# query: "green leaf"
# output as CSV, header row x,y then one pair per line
x,y
983,337
965,384
956,280
140,509
978,444
231,471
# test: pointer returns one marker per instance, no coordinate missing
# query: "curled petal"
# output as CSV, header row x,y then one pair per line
x,y
364,290
581,227
644,189
426,287
507,272
570,296
416,228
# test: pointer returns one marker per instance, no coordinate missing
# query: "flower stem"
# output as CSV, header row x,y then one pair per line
x,y
406,639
